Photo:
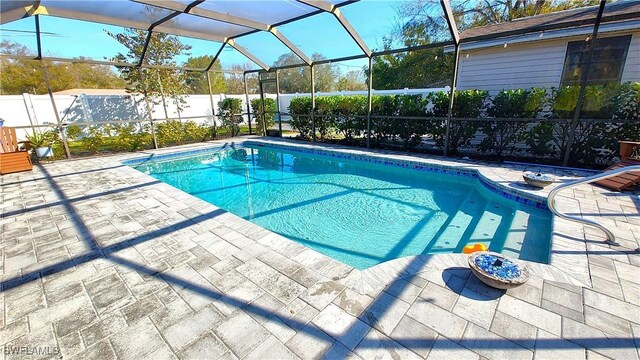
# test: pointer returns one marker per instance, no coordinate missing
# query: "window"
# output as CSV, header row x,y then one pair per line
x,y
606,65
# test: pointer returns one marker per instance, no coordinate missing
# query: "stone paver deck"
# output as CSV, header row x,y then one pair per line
x,y
98,260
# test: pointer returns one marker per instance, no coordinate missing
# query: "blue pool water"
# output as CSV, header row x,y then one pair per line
x,y
359,213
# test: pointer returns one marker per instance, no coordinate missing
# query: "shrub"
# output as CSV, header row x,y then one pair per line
x,y
348,112
410,131
229,110
624,103
176,133
595,142
467,104
73,132
616,109
300,110
53,137
263,115
196,132
563,101
384,129
168,133
324,115
502,134
93,139
131,138
517,103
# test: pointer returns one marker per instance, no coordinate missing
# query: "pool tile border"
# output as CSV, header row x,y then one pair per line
x,y
505,192
172,155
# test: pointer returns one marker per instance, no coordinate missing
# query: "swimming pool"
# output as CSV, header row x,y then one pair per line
x,y
360,213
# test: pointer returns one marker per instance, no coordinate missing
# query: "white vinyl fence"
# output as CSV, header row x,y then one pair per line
x,y
26,111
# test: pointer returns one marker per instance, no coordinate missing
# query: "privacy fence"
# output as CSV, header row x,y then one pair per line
x,y
93,124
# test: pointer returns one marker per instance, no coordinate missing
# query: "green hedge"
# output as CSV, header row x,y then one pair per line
x,y
532,123
300,110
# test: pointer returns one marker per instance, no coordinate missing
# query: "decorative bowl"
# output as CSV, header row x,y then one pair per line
x,y
537,179
498,271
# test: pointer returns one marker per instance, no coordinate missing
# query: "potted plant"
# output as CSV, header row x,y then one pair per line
x,y
41,143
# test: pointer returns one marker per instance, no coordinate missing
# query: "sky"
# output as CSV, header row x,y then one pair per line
x,y
322,33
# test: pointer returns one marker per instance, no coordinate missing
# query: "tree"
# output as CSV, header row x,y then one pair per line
x,y
25,76
93,76
235,80
352,80
507,10
197,81
425,17
415,69
325,74
298,79
161,50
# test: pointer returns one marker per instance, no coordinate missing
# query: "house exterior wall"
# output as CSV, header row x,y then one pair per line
x,y
632,65
531,64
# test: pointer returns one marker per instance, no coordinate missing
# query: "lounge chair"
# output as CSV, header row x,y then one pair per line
x,y
629,155
12,159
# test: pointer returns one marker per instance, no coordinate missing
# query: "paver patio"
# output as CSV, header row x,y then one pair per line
x,y
99,260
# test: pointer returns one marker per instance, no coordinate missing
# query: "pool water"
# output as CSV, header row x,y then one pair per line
x,y
359,213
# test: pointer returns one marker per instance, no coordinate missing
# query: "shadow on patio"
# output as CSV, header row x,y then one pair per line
x,y
351,331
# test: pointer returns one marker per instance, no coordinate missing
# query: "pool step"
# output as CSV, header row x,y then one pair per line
x,y
516,237
493,222
520,241
463,221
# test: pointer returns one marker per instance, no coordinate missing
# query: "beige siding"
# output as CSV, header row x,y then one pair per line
x,y
631,70
526,65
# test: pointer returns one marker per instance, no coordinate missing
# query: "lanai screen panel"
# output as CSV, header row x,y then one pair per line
x,y
10,5
23,33
13,10
196,53
338,2
199,27
321,37
398,23
268,12
266,47
115,12
245,23
231,59
494,27
69,38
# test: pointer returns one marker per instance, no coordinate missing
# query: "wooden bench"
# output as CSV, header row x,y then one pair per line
x,y
629,155
12,159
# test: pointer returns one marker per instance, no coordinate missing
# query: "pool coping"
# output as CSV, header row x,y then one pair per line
x,y
568,259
